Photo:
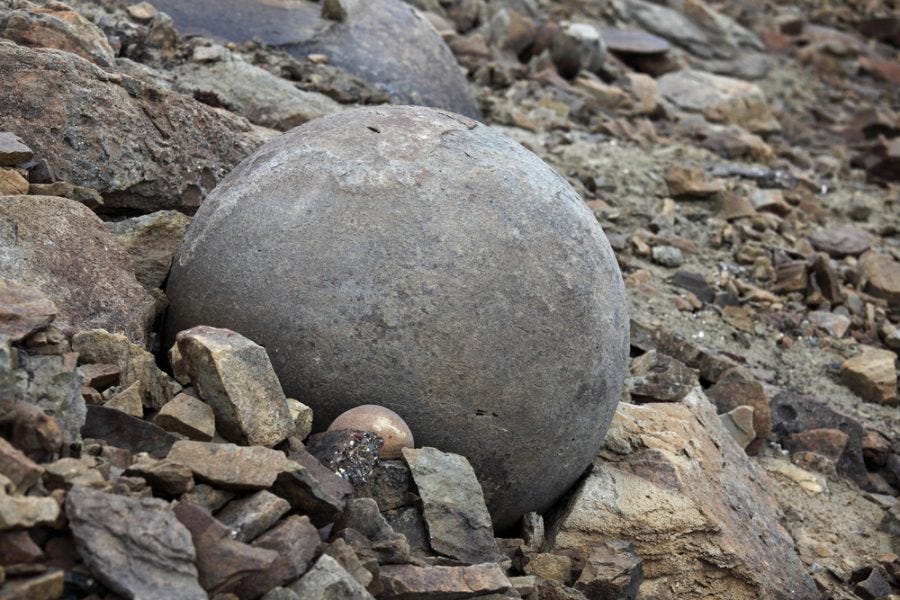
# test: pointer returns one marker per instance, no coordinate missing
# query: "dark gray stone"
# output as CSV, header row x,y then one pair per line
x,y
328,579
459,525
248,517
124,431
385,42
418,260
296,541
135,546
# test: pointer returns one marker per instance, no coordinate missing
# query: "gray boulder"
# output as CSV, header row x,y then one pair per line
x,y
385,42
418,260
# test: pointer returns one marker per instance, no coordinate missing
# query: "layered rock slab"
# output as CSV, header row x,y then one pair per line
x,y
672,481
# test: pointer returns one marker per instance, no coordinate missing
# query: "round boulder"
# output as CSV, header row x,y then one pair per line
x,y
387,43
421,261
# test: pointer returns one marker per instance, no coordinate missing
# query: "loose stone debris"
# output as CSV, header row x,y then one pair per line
x,y
744,162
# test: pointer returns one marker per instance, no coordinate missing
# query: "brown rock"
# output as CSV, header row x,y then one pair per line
x,y
13,150
100,375
222,562
35,433
876,448
176,151
303,418
296,541
835,324
47,586
872,374
67,472
690,183
830,443
12,183
57,26
736,388
129,400
166,477
135,364
251,516
63,249
17,547
234,376
381,421
151,241
308,495
23,310
708,363
408,582
341,551
387,546
674,483
88,196
612,570
229,466
333,484
188,416
20,470
882,276
655,376
791,276
210,498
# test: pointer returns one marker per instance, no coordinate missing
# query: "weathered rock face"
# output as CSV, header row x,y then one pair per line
x,y
63,249
697,509
72,113
417,260
385,42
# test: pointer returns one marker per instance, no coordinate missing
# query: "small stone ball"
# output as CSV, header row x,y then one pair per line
x,y
381,421
422,261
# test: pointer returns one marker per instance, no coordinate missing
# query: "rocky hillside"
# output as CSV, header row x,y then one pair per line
x,y
743,159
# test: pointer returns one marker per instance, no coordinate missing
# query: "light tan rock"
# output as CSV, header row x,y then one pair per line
x,y
188,416
129,400
229,466
673,482
302,416
881,274
719,99
151,241
409,581
136,364
234,376
872,374
12,183
739,423
23,310
26,511
18,468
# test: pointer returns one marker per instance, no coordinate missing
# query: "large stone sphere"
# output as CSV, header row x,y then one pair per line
x,y
419,260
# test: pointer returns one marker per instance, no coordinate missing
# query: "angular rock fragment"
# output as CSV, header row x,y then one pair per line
x,y
842,241
881,274
63,249
690,183
739,423
125,431
719,99
135,546
129,400
340,551
328,579
656,377
296,541
249,517
307,495
459,524
612,571
234,376
135,363
67,472
176,149
577,46
12,150
549,566
188,416
47,586
408,582
23,310
151,241
25,511
222,562
166,477
362,515
736,387
53,385
389,485
229,466
57,26
210,498
872,374
21,471
680,488
302,416
252,92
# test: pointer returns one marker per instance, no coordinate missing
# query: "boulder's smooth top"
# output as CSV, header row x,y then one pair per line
x,y
418,260
385,42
